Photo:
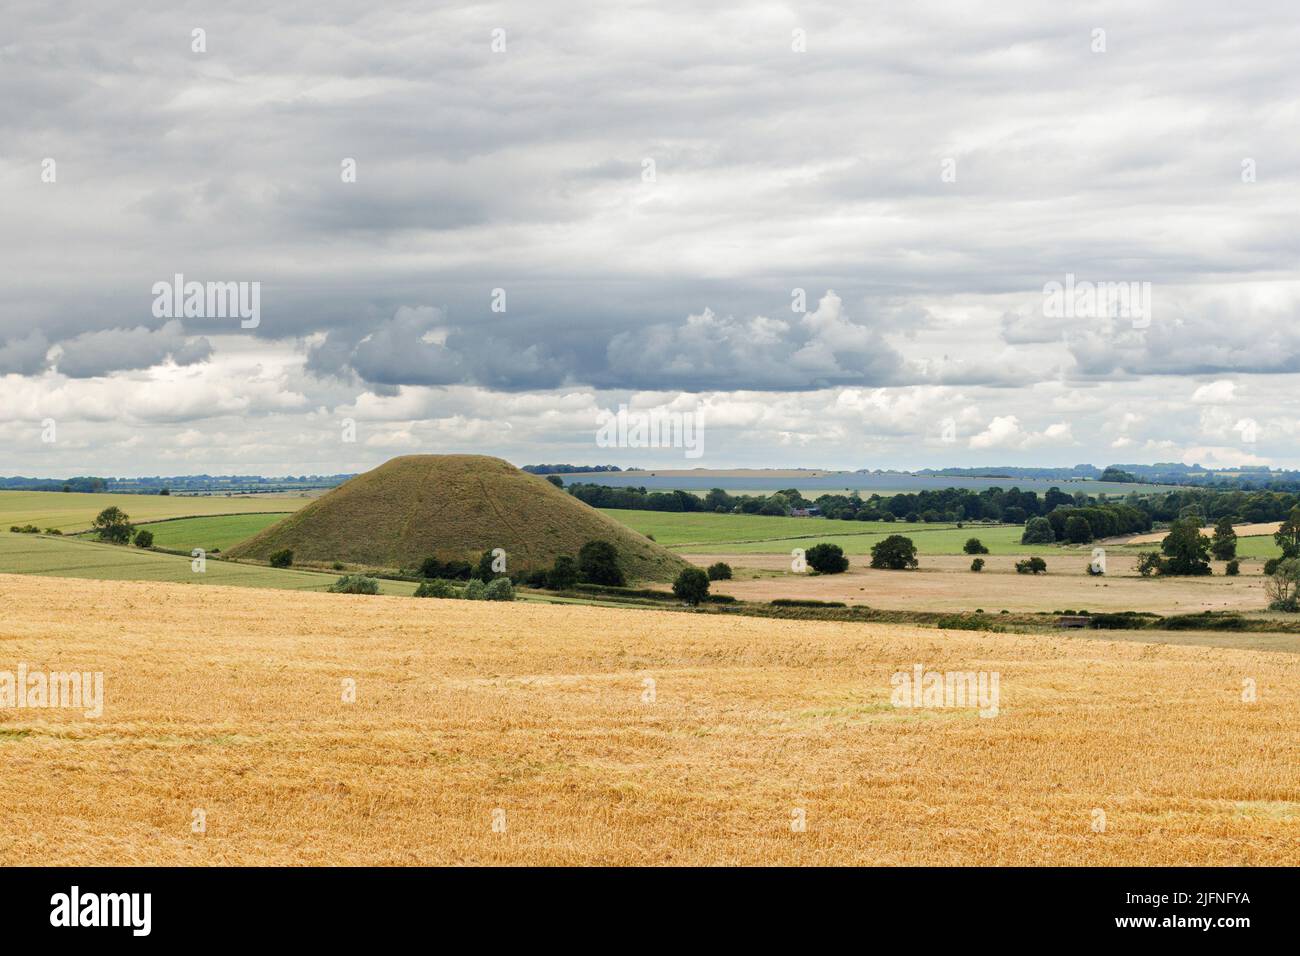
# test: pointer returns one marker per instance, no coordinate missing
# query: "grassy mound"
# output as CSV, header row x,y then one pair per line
x,y
453,507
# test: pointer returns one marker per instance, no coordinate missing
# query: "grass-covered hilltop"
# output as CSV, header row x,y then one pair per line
x,y
454,508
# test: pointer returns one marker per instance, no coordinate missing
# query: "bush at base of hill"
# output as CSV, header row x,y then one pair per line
x,y
282,558
476,590
692,586
354,584
499,589
437,588
720,571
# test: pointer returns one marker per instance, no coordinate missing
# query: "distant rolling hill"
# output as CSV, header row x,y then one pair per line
x,y
453,507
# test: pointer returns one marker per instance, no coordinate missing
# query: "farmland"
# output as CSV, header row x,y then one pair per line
x,y
74,511
73,558
539,717
209,533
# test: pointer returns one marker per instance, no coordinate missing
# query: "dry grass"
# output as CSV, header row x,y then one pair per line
x,y
946,583
229,700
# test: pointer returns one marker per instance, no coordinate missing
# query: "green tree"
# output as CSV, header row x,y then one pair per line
x,y
1077,529
977,564
1283,586
483,570
1186,550
556,480
691,586
144,538
1224,543
282,558
499,589
721,571
894,553
1288,535
1033,565
598,564
827,559
974,546
1149,563
436,588
1038,531
563,574
113,525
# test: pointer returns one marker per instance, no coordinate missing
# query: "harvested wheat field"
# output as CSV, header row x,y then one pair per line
x,y
228,701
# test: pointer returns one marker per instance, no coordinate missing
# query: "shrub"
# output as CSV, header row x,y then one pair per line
x,y
1093,570
1121,620
1271,564
144,538
283,558
1283,586
354,584
499,589
1038,531
805,602
476,590
535,579
691,586
974,546
54,531
598,564
484,571
894,553
720,571
827,559
451,570
563,574
977,564
338,565
1233,568
24,529
437,588
1031,566
113,525
1149,563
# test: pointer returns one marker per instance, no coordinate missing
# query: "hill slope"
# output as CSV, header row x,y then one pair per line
x,y
454,507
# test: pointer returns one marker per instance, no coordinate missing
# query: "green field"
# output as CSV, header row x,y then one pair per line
x,y
209,533
711,533
74,558
75,511
704,532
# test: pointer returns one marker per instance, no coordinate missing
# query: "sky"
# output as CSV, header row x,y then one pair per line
x,y
821,235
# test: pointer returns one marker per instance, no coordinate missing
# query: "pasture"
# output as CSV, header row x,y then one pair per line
x,y
34,554
73,511
597,736
209,533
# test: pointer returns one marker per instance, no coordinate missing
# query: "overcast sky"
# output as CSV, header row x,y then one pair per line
x,y
642,191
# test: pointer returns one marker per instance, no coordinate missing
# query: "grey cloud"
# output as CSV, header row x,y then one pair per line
x,y
25,356
112,350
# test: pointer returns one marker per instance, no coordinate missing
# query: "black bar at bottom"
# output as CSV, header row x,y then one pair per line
x,y
334,906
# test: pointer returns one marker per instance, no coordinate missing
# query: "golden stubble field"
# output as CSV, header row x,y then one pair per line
x,y
230,701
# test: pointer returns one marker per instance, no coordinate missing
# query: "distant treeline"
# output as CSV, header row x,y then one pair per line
x,y
179,484
566,469
1133,514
